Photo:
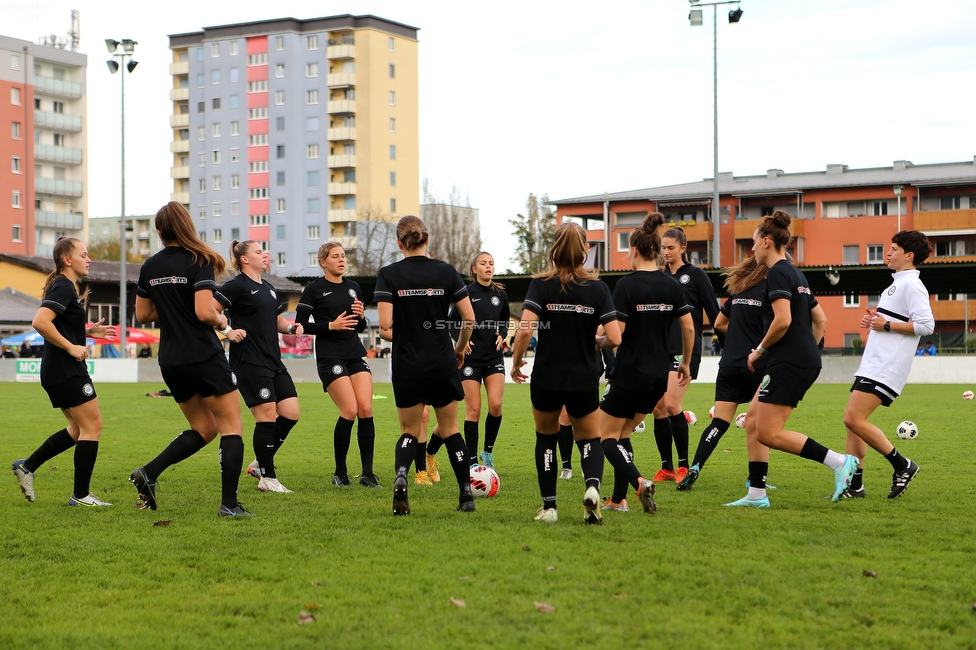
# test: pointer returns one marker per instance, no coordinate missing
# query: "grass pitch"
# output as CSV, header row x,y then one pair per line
x,y
695,574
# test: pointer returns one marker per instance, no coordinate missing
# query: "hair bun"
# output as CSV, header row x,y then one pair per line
x,y
653,221
782,219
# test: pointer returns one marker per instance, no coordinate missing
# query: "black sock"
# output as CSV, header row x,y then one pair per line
x,y
342,435
679,431
620,480
366,436
183,446
566,445
420,460
231,459
709,441
404,453
662,436
55,444
492,424
898,462
622,464
591,460
457,452
471,439
264,447
283,427
857,481
86,451
757,474
434,445
545,465
813,450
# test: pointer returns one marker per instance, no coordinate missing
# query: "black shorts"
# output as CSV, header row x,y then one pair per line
x,y
578,404
205,378
786,384
472,372
865,385
433,391
71,392
260,385
737,385
695,364
332,369
623,402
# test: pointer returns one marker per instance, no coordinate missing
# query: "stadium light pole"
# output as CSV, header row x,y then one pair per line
x,y
897,190
695,18
128,47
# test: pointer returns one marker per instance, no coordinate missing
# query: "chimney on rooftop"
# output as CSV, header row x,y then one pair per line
x,y
902,165
773,173
836,170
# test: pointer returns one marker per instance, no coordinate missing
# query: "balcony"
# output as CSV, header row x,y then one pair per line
x,y
181,67
342,106
179,172
946,222
342,51
342,161
179,146
66,220
944,310
179,94
343,133
57,154
58,188
180,197
342,188
745,228
341,79
60,121
178,121
341,215
697,231
59,87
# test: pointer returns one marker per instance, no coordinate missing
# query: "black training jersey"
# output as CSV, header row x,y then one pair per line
x,y
797,347
324,301
253,307
56,364
490,320
171,279
422,291
746,327
648,302
566,358
700,296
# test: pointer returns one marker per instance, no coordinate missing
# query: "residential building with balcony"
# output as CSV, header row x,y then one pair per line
x,y
295,132
141,237
43,166
842,217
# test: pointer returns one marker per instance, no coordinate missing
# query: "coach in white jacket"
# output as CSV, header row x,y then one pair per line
x,y
902,316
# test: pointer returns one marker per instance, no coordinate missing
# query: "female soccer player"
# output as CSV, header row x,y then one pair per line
x,y
564,305
255,357
336,305
483,362
902,316
794,324
741,319
64,374
413,297
647,303
176,288
669,418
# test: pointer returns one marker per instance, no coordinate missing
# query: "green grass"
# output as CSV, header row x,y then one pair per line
x,y
695,574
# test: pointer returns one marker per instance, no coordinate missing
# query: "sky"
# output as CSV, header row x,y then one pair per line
x,y
568,99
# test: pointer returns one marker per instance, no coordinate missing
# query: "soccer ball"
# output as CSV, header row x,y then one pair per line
x,y
907,430
691,417
711,412
740,420
484,481
639,428
967,395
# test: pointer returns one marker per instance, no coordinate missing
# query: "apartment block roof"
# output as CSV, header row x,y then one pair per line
x,y
323,24
18,308
777,182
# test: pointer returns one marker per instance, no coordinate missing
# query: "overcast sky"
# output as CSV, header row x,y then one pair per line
x,y
574,98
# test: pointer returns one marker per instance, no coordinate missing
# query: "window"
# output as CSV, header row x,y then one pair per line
x,y
203,236
235,152
313,206
873,300
312,97
258,220
257,166
280,233
313,151
215,130
215,184
313,233
235,101
16,233
58,139
235,128
311,42
15,165
279,71
349,149
280,151
393,206
258,193
392,152
235,211
214,50
201,107
203,185
216,156
217,211
257,113
280,206
280,179
235,181
218,236
392,179
279,43
15,199
880,208
313,259
215,76
312,124
15,96
390,44
349,176
623,241
232,48
279,97
281,259
264,246
949,202
392,72
235,75
392,125
215,103
201,159
852,255
37,103
258,140
311,70
15,130
257,86
201,80
851,300
312,179
279,124
392,98
257,59
15,65
235,233
199,53
57,107
875,254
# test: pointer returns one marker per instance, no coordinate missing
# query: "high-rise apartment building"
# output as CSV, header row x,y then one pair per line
x,y
295,132
43,169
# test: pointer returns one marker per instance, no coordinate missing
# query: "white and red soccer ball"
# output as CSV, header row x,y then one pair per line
x,y
740,420
691,418
484,481
968,395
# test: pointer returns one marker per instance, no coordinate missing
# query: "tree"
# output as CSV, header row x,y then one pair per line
x,y
534,232
454,229
109,250
374,234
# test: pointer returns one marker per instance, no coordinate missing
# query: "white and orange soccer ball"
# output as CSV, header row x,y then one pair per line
x,y
691,417
484,481
740,420
967,395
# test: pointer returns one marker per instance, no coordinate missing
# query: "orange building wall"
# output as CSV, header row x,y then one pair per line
x,y
24,181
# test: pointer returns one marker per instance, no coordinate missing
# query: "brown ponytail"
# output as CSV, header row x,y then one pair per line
x,y
777,227
176,227
566,257
238,249
62,249
744,275
646,239
411,232
678,234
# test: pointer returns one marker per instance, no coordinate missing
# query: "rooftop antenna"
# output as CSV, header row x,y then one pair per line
x,y
75,34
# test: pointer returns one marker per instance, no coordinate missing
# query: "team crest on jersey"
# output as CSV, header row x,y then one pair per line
x,y
805,290
891,291
352,293
765,382
264,393
337,370
468,371
679,357
684,278
233,377
495,300
88,390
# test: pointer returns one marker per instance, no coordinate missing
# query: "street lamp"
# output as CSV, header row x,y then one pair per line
x,y
128,47
695,18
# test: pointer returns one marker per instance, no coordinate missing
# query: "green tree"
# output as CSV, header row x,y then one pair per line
x,y
534,232
108,250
